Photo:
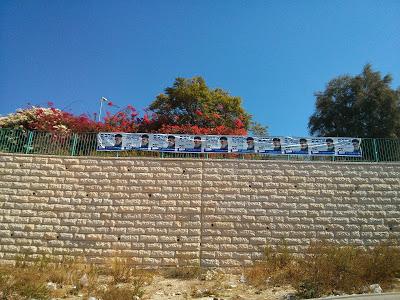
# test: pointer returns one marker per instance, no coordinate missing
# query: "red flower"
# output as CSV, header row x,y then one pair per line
x,y
239,123
217,116
50,104
110,103
198,112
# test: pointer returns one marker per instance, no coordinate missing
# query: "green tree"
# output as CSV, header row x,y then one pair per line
x,y
258,129
190,106
364,106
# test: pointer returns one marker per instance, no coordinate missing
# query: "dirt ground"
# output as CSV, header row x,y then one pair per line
x,y
218,287
228,287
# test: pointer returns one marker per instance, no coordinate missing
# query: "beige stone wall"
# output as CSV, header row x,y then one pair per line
x,y
190,211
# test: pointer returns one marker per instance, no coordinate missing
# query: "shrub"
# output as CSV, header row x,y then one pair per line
x,y
327,269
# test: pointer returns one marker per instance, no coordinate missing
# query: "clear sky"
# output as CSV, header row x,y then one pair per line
x,y
273,54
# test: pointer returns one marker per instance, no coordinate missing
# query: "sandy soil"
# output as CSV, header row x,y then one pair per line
x,y
224,287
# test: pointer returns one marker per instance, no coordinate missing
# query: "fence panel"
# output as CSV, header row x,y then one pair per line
x,y
84,144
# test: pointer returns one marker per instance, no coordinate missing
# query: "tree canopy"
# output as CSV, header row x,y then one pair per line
x,y
363,105
190,106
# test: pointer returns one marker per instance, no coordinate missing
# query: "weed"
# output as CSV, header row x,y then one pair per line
x,y
185,273
23,283
326,269
120,269
120,293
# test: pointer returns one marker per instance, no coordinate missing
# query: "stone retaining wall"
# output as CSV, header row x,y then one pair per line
x,y
164,212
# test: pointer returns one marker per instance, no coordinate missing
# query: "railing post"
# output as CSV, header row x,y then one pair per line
x,y
376,156
29,143
74,142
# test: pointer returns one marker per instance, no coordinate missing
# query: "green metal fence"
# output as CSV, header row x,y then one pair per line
x,y
84,144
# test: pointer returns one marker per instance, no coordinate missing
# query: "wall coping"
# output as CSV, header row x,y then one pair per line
x,y
206,160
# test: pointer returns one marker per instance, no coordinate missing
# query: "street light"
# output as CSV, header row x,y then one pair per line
x,y
102,99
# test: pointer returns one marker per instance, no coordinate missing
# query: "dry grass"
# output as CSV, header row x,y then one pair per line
x,y
22,283
120,293
212,285
185,273
327,269
323,270
29,280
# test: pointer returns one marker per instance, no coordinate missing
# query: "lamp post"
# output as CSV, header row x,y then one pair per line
x,y
102,99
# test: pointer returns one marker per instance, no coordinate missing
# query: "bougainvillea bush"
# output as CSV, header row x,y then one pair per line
x,y
48,119
51,119
189,107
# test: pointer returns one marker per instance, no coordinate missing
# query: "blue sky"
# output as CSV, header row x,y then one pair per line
x,y
273,54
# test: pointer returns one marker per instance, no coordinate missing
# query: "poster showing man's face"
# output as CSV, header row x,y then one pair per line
x,y
145,141
303,145
250,143
224,143
171,141
197,142
276,142
118,140
330,146
356,145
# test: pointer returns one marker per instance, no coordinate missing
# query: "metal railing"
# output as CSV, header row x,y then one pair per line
x,y
84,144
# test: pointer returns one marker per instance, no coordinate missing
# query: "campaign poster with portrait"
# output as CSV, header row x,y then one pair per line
x,y
114,141
163,142
142,141
269,145
296,146
323,146
216,143
243,144
188,143
349,147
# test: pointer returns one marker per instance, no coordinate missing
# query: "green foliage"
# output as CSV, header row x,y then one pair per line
x,y
190,102
364,106
256,129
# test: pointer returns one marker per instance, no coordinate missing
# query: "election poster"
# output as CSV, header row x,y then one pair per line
x,y
144,141
348,147
323,146
335,146
107,141
216,143
243,144
297,146
163,142
188,143
269,145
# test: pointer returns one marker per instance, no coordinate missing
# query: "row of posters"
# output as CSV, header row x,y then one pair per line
x,y
336,146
